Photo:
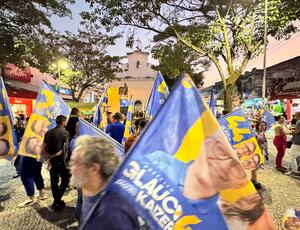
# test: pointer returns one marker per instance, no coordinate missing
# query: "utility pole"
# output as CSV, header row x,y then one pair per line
x,y
265,53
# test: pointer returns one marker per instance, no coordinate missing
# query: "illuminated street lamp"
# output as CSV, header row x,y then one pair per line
x,y
60,65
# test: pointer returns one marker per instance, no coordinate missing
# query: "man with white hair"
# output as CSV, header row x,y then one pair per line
x,y
92,163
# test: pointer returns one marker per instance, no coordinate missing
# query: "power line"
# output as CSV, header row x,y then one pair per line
x,y
278,45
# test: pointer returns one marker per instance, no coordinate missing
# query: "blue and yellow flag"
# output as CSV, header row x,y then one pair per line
x,y
7,140
267,117
128,125
182,170
99,119
242,138
47,107
86,128
212,102
158,95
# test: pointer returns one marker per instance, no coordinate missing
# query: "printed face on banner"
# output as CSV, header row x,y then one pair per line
x,y
242,138
6,129
32,142
183,174
48,106
6,138
249,153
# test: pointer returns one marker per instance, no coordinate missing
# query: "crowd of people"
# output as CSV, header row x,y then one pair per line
x,y
87,163
71,161
286,136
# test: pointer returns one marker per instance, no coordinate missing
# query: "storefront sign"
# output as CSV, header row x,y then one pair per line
x,y
62,90
21,105
15,73
288,90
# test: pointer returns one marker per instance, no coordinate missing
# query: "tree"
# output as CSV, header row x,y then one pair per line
x,y
228,32
175,58
24,24
89,63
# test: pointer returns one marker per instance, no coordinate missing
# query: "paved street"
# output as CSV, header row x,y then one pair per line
x,y
280,193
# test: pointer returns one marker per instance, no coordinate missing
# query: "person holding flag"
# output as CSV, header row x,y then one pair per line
x,y
48,106
187,172
86,128
158,95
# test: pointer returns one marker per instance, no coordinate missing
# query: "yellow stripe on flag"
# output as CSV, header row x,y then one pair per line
x,y
113,99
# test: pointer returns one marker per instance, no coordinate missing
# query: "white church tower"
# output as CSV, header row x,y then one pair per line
x,y
137,75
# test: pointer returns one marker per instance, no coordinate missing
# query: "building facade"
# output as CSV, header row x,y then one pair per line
x,y
136,79
22,86
282,82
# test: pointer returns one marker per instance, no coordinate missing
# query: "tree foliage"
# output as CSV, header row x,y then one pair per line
x,y
25,26
225,31
89,63
175,58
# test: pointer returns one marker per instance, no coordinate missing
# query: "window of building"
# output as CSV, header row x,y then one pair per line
x,y
138,64
138,106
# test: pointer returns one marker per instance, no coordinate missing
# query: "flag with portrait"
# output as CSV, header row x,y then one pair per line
x,y
47,107
7,145
242,138
182,173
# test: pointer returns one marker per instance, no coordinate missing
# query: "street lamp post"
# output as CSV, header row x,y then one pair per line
x,y
60,65
265,52
58,80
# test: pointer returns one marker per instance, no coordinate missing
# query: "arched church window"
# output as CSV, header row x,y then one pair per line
x,y
138,64
138,106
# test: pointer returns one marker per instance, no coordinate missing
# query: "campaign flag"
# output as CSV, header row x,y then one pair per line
x,y
182,173
113,99
99,119
158,95
242,138
47,107
128,125
291,219
212,102
267,117
7,140
86,128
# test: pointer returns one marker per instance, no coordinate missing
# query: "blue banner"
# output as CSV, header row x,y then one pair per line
x,y
7,140
182,168
267,117
242,138
47,107
158,95
128,125
99,119
86,128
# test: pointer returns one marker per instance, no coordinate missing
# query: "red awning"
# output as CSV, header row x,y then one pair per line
x,y
22,93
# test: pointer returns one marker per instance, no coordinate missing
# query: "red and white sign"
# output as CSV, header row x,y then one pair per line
x,y
288,90
15,73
